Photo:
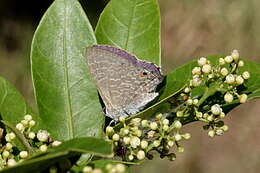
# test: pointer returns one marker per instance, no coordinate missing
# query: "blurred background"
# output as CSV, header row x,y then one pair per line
x,y
190,29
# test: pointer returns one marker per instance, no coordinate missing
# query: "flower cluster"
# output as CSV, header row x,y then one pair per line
x,y
110,168
138,139
223,79
37,141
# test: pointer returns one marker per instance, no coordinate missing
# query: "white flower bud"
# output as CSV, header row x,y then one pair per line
x,y
138,133
97,170
56,143
127,140
156,143
211,133
8,146
179,114
31,135
144,123
11,162
216,109
42,135
136,121
32,123
221,61
130,157
196,81
43,148
246,75
115,137
230,79
219,132
228,59
210,118
202,61
177,137
87,169
144,144
140,155
187,90
199,114
186,136
196,71
28,117
240,63
109,130
222,115
150,134
135,142
120,168
180,149
165,122
170,143
153,126
224,71
159,116
12,135
5,154
195,101
23,154
206,68
177,124
235,55
239,80
125,131
228,97
243,98
165,128
20,127
25,122
224,128
189,102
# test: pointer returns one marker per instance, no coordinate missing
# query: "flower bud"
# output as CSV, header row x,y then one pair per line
x,y
5,154
25,122
97,170
138,133
228,59
196,81
206,68
120,168
211,133
115,137
202,61
140,155
127,140
42,135
165,128
165,122
109,130
187,90
239,80
23,154
159,116
246,75
87,169
221,61
189,102
224,128
224,71
228,97
32,123
153,126
222,115
235,55
177,124
219,132
177,137
135,142
179,114
186,136
170,143
20,127
240,63
11,162
210,118
31,135
144,144
28,117
144,123
199,114
130,157
156,143
196,71
243,98
150,134
121,119
180,149
56,143
43,148
230,79
216,109
136,121
8,146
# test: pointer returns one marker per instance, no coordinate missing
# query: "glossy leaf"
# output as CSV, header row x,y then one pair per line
x,y
133,25
67,99
66,150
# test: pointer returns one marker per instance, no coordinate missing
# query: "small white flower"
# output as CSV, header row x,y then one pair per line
x,y
224,71
115,137
87,169
180,149
216,109
43,148
196,81
186,136
246,75
211,133
224,128
120,168
177,124
179,114
23,154
210,118
56,143
210,76
5,154
125,131
28,117
165,122
177,137
199,114
222,115
109,130
202,61
221,61
165,128
97,170
228,59
42,135
11,162
140,155
130,157
240,63
189,102
135,142
235,55
20,127
239,80
153,126
127,140
195,101
8,146
138,133
144,144
230,79
243,98
136,121
150,134
159,116
32,123
156,143
25,122
219,132
228,97
31,135
187,90
196,71
170,143
144,123
206,68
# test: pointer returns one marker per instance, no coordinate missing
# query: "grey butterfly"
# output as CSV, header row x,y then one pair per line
x,y
125,83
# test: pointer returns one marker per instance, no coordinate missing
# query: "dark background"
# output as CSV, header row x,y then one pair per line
x,y
190,29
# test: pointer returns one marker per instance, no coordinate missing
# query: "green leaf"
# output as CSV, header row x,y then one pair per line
x,y
66,97
66,150
133,25
13,106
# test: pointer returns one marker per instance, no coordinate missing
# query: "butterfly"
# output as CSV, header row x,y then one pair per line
x,y
125,83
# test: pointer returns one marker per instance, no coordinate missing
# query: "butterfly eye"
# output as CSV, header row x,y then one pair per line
x,y
144,73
